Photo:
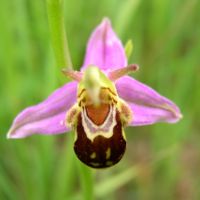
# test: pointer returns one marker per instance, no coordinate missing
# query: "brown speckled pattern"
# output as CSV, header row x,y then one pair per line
x,y
102,152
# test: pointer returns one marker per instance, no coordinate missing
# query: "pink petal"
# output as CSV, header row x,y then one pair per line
x,y
147,105
104,48
46,117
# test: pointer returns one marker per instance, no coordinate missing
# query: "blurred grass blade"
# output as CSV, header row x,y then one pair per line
x,y
7,187
63,180
125,14
87,182
115,182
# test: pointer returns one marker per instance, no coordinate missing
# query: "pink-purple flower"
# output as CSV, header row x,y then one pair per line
x,y
100,101
104,50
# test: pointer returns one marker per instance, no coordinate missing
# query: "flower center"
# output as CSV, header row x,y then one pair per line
x,y
102,151
98,118
97,114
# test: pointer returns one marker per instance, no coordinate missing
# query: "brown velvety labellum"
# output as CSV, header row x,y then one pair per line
x,y
102,152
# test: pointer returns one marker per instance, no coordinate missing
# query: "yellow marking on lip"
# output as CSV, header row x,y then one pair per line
x,y
107,134
94,164
108,153
109,163
93,155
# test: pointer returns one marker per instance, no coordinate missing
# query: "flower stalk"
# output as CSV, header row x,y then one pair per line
x,y
55,10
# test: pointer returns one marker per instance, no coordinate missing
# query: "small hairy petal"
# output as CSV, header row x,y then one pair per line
x,y
104,48
147,105
48,116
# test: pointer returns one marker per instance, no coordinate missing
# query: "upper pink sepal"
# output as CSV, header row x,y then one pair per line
x,y
104,48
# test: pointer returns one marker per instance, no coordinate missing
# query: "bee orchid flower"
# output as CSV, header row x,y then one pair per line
x,y
100,101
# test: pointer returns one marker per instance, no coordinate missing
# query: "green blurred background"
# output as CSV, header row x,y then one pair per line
x,y
163,160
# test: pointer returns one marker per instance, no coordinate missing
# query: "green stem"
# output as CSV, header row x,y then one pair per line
x,y
55,9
